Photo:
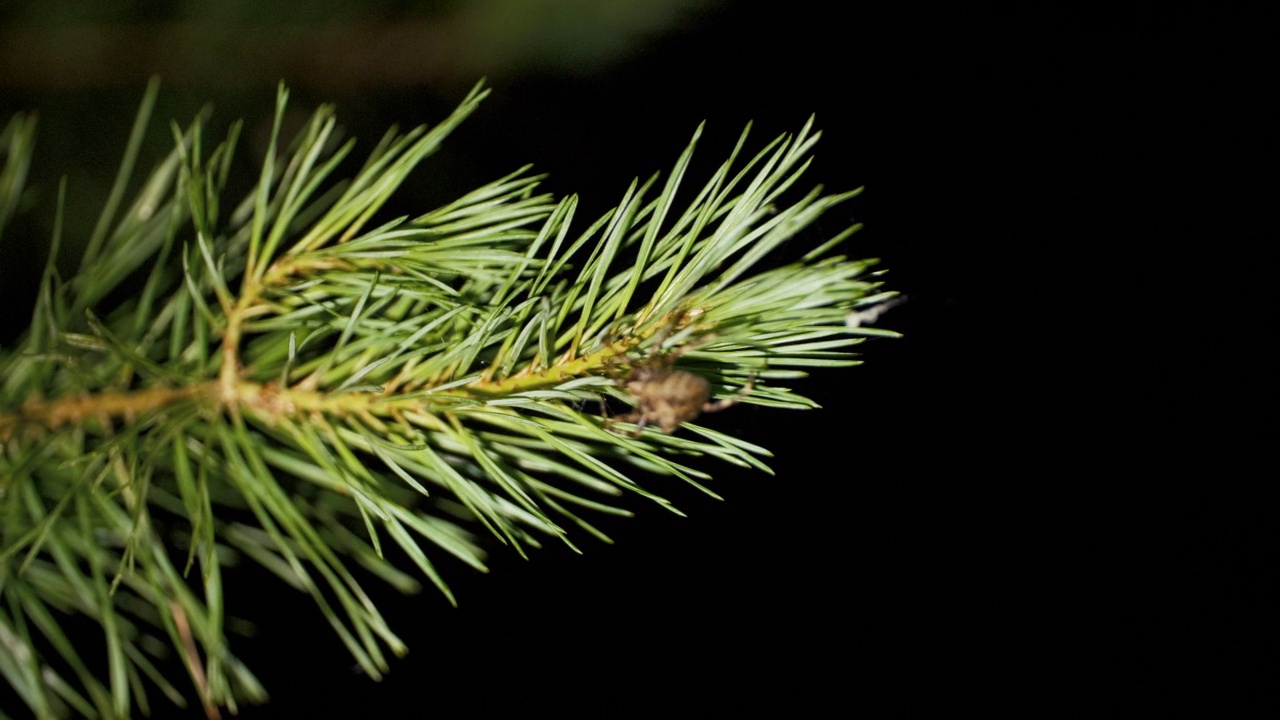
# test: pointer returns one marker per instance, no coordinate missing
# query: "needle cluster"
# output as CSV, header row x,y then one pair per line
x,y
303,383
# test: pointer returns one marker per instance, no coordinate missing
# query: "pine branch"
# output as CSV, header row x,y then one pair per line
x,y
296,385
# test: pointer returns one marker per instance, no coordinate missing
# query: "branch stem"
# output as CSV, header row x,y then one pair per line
x,y
103,406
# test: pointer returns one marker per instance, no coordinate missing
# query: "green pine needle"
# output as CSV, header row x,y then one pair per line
x,y
291,383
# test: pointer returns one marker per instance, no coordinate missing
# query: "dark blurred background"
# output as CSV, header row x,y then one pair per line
x,y
1000,510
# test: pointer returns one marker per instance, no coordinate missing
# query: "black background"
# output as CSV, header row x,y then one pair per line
x,y
1022,505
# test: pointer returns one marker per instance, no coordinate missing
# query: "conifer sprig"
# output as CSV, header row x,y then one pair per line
x,y
293,382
